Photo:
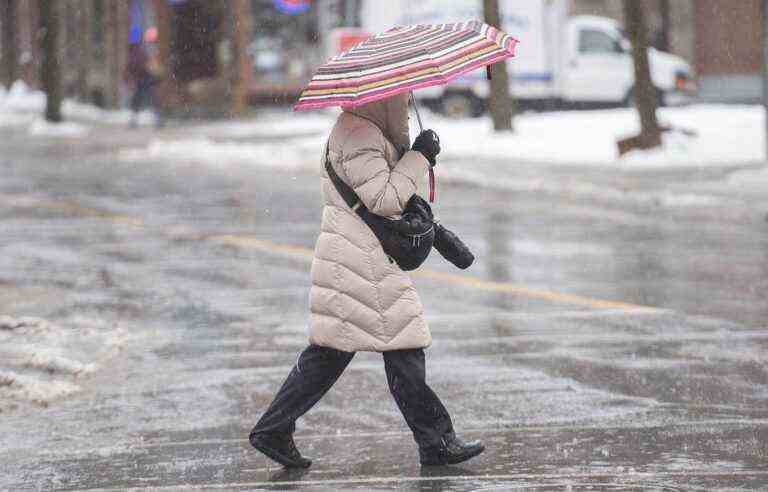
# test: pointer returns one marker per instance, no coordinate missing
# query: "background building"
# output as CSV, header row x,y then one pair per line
x,y
728,49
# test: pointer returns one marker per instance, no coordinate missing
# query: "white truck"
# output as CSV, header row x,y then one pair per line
x,y
561,61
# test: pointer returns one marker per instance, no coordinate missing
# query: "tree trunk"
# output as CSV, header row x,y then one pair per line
x,y
84,47
167,91
50,73
500,103
241,16
121,47
10,41
64,37
28,56
644,91
666,26
116,27
108,53
765,69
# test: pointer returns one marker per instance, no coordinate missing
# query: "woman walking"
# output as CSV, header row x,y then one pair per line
x,y
360,299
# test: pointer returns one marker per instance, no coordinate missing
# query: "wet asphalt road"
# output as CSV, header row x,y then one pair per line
x,y
597,344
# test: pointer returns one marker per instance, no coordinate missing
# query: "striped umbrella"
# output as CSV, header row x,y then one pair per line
x,y
402,59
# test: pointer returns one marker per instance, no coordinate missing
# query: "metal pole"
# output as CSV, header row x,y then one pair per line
x,y
416,109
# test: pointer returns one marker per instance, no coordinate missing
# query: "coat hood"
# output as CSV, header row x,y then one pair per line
x,y
391,116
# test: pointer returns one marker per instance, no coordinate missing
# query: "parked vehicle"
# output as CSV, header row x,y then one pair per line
x,y
561,61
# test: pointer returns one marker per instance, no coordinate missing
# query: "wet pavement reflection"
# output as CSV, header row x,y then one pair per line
x,y
151,311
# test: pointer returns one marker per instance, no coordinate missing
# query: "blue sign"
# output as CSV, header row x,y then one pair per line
x,y
136,16
292,7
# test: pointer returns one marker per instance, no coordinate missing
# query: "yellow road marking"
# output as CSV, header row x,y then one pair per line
x,y
547,295
77,209
67,206
250,242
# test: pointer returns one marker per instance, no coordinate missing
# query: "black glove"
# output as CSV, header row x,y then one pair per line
x,y
452,248
428,143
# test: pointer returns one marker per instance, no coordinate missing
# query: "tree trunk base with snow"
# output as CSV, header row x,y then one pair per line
x,y
643,141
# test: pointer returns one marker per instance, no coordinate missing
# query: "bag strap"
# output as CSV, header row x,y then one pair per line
x,y
346,192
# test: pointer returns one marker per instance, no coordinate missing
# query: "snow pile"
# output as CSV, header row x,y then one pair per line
x,y
18,106
724,135
291,155
21,99
293,142
92,114
44,128
14,387
272,124
41,361
703,135
717,135
22,107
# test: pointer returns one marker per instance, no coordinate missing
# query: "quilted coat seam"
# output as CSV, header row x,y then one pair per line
x,y
366,280
363,248
400,298
377,290
337,291
368,334
422,330
340,293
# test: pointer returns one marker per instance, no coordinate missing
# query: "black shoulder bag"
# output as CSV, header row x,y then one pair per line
x,y
407,240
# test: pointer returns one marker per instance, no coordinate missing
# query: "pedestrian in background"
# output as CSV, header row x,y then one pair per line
x,y
360,299
143,72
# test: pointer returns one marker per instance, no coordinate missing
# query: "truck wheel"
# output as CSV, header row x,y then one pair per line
x,y
629,100
461,105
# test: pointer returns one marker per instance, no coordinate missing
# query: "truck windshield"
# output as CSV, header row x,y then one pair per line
x,y
594,41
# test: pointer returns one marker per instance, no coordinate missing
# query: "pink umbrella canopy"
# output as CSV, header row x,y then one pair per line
x,y
403,59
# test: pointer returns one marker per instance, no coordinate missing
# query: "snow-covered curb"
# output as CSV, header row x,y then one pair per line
x,y
293,155
43,128
23,107
726,137
722,136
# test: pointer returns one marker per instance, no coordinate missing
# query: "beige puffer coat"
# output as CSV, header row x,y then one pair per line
x,y
360,300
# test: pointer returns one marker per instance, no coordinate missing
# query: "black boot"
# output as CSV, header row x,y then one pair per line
x,y
279,447
450,451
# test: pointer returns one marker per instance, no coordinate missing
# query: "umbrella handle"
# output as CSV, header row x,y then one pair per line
x,y
416,109
431,185
431,171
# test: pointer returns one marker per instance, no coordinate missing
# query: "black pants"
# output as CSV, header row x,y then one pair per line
x,y
317,368
143,94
